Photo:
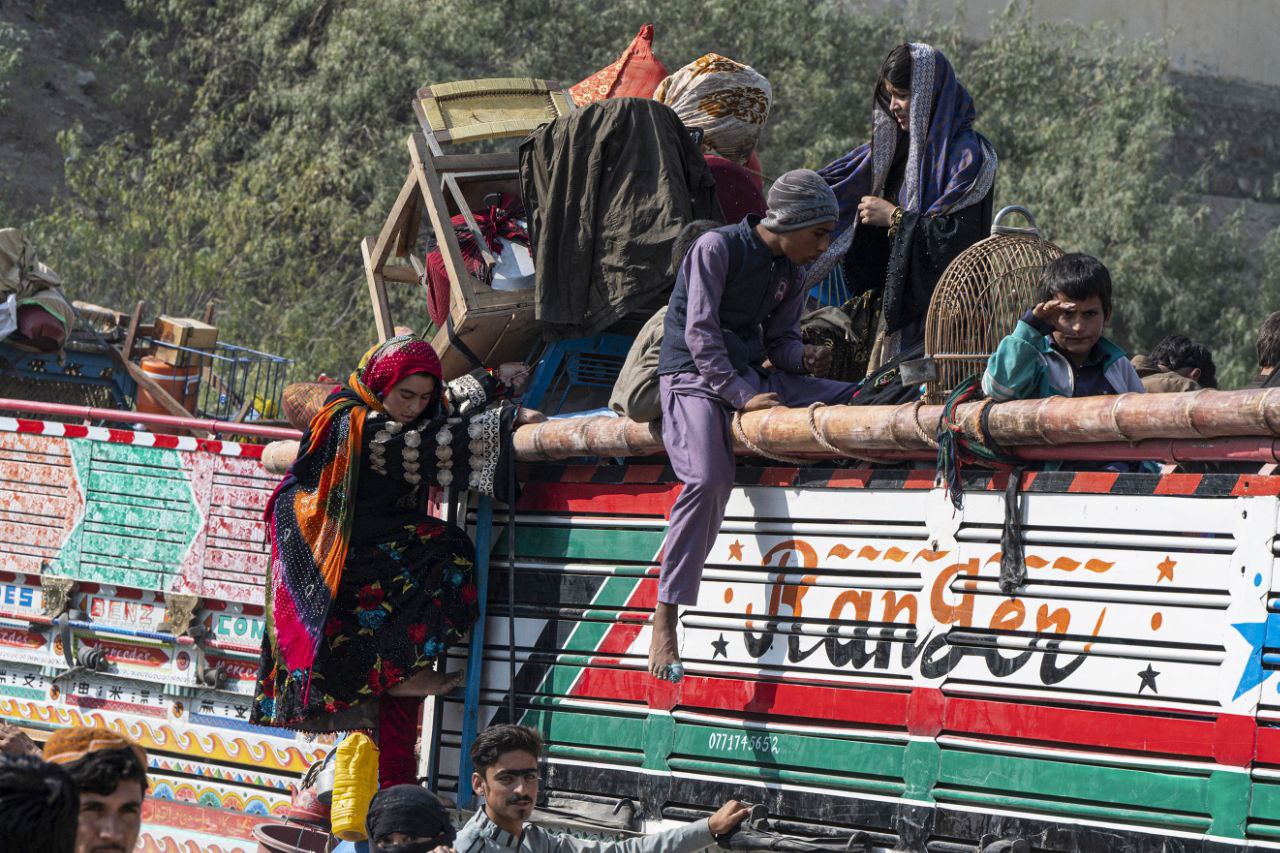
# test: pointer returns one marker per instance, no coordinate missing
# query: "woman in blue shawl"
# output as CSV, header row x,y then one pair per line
x,y
912,199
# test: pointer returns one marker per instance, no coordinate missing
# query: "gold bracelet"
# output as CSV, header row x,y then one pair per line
x,y
894,221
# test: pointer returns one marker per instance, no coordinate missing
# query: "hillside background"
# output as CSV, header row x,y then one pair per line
x,y
183,151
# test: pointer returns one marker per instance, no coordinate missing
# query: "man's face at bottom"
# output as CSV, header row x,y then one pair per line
x,y
110,823
510,786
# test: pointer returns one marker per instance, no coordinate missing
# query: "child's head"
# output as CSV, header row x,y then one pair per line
x,y
1081,286
1269,342
1189,358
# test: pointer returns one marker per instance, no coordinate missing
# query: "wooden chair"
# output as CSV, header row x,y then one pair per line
x,y
484,325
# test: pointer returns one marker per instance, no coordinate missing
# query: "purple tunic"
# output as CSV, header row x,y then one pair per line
x,y
697,407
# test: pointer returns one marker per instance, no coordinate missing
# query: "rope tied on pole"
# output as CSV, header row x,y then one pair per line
x,y
741,435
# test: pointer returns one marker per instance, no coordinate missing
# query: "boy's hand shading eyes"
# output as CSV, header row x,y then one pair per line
x,y
1050,311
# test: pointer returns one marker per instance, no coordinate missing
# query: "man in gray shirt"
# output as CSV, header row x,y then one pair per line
x,y
505,759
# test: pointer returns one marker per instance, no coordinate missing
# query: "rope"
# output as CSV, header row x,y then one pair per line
x,y
817,433
920,433
758,451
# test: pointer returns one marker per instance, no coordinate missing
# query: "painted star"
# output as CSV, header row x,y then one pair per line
x,y
735,550
1255,634
721,647
1166,569
1148,677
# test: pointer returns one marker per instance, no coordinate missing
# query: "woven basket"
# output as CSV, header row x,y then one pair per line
x,y
301,400
980,298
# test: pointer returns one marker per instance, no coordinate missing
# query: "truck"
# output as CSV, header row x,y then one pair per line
x,y
853,664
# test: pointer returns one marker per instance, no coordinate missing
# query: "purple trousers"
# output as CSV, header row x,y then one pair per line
x,y
697,435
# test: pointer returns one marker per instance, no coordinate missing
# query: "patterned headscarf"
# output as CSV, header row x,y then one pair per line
x,y
309,514
950,166
727,100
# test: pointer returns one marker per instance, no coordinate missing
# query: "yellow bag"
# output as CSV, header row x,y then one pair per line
x,y
355,781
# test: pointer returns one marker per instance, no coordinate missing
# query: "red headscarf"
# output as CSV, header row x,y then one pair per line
x,y
387,363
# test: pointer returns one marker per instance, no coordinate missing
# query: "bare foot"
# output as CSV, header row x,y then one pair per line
x,y
428,683
664,647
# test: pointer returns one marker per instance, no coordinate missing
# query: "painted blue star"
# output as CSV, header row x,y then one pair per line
x,y
1256,635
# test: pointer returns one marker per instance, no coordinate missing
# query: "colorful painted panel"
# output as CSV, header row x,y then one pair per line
x,y
154,550
853,660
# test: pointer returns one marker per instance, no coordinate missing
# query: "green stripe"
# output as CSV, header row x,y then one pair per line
x,y
1063,780
755,772
784,750
1263,830
608,756
598,729
1179,821
1265,804
587,543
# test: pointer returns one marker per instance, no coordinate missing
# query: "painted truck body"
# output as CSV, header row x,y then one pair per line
x,y
852,662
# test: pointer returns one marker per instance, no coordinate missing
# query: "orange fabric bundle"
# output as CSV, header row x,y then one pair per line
x,y
636,74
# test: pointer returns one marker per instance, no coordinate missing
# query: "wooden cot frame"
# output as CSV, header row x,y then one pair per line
x,y
495,325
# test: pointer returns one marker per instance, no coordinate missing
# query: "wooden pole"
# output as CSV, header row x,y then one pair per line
x,y
1168,426
857,429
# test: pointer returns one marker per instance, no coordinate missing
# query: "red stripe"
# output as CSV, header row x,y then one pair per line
x,y
1178,484
74,430
1256,484
850,478
778,476
1227,738
923,479
1267,750
642,473
578,473
599,498
1093,482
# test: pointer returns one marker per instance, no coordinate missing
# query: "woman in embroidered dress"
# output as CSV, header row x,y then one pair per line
x,y
366,589
912,199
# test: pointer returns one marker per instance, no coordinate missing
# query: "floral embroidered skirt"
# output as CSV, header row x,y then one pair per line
x,y
402,601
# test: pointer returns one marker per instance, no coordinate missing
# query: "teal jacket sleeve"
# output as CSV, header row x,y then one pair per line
x,y
1015,370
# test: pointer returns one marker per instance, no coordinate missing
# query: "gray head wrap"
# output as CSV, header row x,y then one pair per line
x,y
800,199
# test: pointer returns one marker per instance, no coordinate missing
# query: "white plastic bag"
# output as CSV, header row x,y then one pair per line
x,y
9,316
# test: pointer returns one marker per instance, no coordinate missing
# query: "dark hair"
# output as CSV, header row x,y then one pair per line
x,y
895,72
102,772
1269,341
1078,276
496,740
39,805
1179,352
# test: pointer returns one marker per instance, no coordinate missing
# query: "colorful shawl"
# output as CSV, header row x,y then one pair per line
x,y
950,166
728,101
309,514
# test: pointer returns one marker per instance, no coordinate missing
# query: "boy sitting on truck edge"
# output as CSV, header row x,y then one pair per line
x,y
1057,348
736,303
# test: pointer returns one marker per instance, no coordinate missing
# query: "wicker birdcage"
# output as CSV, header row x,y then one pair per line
x,y
979,299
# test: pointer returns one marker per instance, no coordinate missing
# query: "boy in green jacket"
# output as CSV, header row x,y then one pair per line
x,y
1057,348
